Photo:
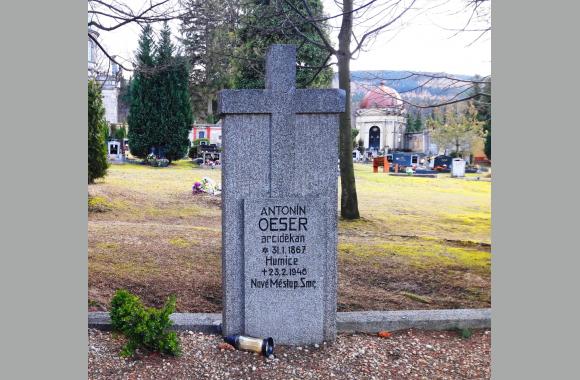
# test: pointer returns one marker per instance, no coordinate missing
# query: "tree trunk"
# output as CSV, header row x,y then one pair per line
x,y
348,199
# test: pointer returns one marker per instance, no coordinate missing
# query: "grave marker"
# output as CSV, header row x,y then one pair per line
x,y
279,216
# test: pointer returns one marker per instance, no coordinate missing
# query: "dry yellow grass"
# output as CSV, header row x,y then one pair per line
x,y
428,238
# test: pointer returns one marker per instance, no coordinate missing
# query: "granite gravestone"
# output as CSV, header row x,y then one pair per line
x,y
279,178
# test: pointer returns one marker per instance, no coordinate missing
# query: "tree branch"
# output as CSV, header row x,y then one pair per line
x,y
106,53
324,65
325,44
379,28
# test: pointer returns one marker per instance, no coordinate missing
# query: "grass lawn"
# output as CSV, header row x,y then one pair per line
x,y
422,243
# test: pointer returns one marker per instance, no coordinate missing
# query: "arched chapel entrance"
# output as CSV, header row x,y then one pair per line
x,y
374,138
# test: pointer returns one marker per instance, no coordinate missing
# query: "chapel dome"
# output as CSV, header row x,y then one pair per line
x,y
381,96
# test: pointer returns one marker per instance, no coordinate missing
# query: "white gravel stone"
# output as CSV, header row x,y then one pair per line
x,y
453,358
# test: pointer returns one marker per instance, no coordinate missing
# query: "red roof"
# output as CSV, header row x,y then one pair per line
x,y
381,97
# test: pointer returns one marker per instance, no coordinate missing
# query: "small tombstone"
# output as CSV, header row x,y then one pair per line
x,y
458,167
279,220
114,150
380,161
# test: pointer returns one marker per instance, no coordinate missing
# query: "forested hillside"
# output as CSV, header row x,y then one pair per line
x,y
422,88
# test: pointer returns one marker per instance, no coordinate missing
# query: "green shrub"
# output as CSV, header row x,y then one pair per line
x,y
465,333
120,133
197,142
144,326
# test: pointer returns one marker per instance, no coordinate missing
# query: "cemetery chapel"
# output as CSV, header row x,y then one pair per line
x,y
381,120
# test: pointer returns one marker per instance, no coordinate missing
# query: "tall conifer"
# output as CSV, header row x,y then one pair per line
x,y
141,118
174,109
418,123
97,149
160,117
273,22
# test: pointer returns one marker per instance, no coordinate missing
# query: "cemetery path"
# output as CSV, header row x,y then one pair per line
x,y
404,355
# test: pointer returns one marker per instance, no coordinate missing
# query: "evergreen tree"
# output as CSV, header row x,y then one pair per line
x,y
174,115
418,123
410,122
272,22
141,119
483,106
120,134
97,149
485,116
414,124
160,117
124,99
208,37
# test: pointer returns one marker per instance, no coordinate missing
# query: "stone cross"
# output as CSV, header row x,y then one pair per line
x,y
279,213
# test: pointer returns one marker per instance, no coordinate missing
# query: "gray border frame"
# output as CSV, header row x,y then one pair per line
x,y
43,268
43,254
535,190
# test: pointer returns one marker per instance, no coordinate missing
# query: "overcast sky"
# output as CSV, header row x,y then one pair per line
x,y
423,41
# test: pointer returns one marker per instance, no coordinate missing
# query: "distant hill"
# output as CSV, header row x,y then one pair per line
x,y
417,89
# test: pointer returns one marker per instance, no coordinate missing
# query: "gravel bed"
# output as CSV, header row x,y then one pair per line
x,y
411,354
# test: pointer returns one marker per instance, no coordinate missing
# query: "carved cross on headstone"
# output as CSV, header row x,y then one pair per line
x,y
279,206
282,101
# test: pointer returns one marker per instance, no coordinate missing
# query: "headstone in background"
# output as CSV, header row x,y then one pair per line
x,y
114,151
279,214
458,168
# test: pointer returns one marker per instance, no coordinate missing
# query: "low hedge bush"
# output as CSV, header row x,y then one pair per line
x,y
143,326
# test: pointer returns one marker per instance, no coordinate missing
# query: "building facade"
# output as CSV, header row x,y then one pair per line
x,y
107,74
212,132
381,120
110,91
92,56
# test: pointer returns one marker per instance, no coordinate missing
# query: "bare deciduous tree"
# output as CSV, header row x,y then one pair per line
x,y
458,130
109,15
370,18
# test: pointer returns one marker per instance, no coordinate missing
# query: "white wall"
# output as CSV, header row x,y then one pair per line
x,y
387,124
110,103
215,137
